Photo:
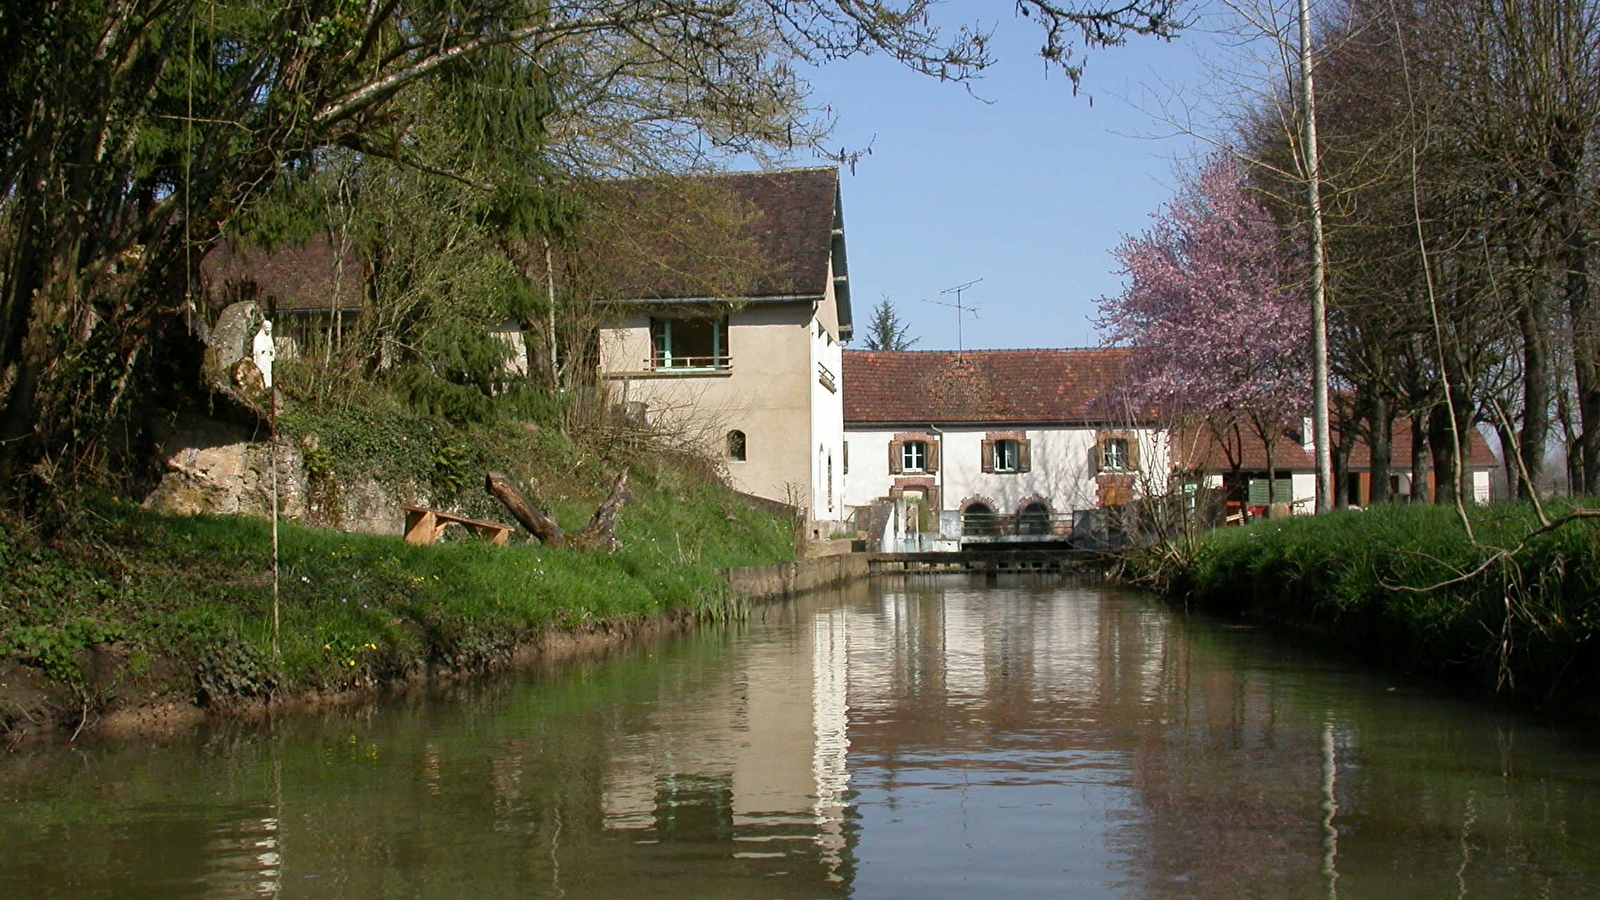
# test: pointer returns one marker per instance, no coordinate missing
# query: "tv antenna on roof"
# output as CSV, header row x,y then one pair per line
x,y
959,308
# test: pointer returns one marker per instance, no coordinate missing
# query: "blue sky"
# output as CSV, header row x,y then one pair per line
x,y
1029,188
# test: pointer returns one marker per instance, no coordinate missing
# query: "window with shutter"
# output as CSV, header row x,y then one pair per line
x,y
1006,455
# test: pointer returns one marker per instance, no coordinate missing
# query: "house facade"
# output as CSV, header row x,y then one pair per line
x,y
755,378
993,445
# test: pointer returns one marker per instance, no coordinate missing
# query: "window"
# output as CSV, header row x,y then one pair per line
x,y
914,456
913,453
1114,455
689,343
1007,455
1034,519
1006,452
978,519
736,446
846,459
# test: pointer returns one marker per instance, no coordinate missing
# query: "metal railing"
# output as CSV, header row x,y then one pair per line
x,y
705,363
1025,525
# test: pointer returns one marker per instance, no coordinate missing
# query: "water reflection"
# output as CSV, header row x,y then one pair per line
x,y
909,738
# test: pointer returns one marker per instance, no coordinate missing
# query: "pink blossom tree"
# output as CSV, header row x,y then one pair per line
x,y
1217,309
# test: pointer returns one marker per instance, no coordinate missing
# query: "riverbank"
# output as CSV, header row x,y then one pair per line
x,y
121,618
1508,610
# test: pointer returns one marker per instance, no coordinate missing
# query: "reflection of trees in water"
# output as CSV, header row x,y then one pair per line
x,y
1255,770
608,775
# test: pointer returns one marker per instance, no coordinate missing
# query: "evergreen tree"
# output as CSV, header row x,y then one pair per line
x,y
886,331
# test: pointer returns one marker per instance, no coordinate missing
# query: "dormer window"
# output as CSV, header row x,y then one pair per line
x,y
689,343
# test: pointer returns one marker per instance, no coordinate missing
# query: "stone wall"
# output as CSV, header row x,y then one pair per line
x,y
221,468
789,579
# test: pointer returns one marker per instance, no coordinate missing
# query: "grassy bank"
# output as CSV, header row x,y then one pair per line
x,y
1397,582
116,606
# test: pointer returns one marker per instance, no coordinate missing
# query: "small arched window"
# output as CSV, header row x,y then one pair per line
x,y
736,445
978,519
1034,519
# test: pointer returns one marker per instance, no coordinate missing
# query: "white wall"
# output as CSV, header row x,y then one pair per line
x,y
1061,474
827,412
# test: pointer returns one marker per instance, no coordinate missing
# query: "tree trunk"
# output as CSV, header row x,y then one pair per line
x,y
1380,447
1420,492
1442,442
1533,318
599,534
541,526
1515,487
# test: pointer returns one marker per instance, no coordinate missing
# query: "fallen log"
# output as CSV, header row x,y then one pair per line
x,y
599,534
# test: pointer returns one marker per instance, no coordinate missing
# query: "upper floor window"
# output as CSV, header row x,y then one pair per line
x,y
1115,455
689,343
914,456
1006,453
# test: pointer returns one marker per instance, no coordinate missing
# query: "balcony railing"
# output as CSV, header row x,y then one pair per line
x,y
674,362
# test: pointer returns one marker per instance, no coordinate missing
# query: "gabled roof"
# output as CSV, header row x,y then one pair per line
x,y
308,277
943,387
782,227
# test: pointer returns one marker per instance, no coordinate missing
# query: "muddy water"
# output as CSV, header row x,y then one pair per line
x,y
904,739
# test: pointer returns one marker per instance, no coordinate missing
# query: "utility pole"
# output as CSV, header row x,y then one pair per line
x,y
1319,296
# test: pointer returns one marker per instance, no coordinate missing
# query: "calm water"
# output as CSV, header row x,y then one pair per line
x,y
906,739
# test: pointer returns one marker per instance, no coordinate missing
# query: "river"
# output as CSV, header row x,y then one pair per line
x,y
915,738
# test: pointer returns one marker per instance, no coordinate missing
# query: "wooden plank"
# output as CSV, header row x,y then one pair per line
x,y
425,526
420,526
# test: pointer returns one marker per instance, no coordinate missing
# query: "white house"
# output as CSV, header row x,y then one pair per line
x,y
755,377
994,444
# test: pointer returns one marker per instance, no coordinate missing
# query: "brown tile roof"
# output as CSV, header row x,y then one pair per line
x,y
982,386
1200,448
772,230
299,278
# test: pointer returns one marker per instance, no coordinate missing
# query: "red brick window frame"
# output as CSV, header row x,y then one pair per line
x,y
1115,452
927,486
914,453
1006,453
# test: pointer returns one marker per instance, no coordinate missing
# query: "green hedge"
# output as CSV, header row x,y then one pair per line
x,y
1396,581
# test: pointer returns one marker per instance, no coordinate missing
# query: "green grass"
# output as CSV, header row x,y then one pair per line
x,y
1391,581
355,609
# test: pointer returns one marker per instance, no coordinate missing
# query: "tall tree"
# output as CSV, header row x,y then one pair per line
x,y
1215,304
132,132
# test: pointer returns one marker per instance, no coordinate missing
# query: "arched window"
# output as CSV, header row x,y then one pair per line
x,y
977,519
736,445
1034,519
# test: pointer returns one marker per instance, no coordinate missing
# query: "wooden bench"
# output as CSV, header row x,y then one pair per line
x,y
424,526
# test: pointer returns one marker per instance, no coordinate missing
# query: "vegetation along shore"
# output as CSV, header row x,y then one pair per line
x,y
114,616
1511,605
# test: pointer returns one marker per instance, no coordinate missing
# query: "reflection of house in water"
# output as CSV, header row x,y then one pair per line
x,y
754,758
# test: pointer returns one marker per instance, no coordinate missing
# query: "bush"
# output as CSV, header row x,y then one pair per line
x,y
1516,608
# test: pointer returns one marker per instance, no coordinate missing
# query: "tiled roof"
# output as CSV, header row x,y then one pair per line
x,y
303,277
1200,449
982,386
778,230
